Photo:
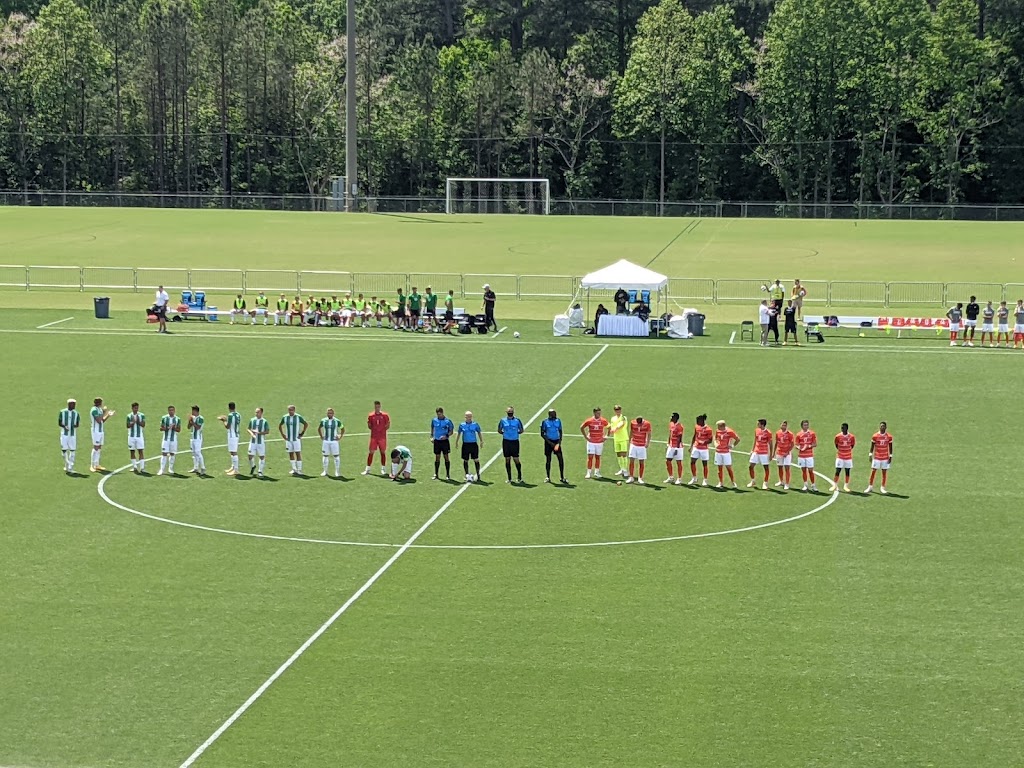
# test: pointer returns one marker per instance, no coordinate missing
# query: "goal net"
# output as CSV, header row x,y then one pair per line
x,y
477,195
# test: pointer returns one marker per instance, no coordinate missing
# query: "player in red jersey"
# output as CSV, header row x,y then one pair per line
x,y
881,456
639,440
762,453
702,437
845,443
806,442
784,442
725,440
378,422
594,430
675,450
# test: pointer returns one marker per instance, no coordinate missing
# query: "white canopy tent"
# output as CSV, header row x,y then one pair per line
x,y
631,277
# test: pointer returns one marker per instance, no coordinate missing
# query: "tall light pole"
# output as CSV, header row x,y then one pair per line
x,y
351,170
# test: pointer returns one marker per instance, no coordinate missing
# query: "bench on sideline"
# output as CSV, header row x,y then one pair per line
x,y
814,324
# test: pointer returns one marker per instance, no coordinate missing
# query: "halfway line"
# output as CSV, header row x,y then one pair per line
x,y
369,583
55,322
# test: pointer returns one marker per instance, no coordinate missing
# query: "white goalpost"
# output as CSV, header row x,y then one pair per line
x,y
497,195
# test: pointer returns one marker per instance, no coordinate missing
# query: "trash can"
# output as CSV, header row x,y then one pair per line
x,y
101,304
695,324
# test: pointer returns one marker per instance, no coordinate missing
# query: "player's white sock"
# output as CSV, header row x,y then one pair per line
x,y
170,463
326,462
298,467
202,463
337,465
71,460
295,465
93,458
163,463
234,462
263,464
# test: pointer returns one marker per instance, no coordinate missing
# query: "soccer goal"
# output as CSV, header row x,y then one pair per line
x,y
476,195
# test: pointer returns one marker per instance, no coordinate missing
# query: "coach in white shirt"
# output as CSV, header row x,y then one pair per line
x,y
764,318
160,303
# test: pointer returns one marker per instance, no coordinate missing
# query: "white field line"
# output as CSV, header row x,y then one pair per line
x,y
369,583
732,338
55,322
818,350
500,330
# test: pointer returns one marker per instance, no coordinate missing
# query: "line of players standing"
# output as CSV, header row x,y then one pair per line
x,y
991,318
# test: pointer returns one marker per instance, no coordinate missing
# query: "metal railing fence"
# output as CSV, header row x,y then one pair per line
x,y
691,290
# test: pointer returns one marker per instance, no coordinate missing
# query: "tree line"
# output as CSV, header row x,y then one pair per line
x,y
819,101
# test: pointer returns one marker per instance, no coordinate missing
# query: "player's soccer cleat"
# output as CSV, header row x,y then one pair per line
x,y
434,477
100,469
365,471
832,488
597,474
814,487
639,481
869,489
952,343
785,487
718,486
259,475
735,486
668,480
547,479
846,487
383,471
136,470
778,484
679,481
508,482
750,484
693,481
563,481
703,483
764,486
324,473
804,488
292,472
160,471
883,491
587,476
629,480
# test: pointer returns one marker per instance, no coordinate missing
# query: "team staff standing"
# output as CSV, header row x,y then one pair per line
x,y
161,300
510,429
472,439
489,298
441,431
551,432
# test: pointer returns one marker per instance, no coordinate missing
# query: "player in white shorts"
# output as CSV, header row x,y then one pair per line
x,y
401,463
955,315
195,443
292,427
170,426
988,315
69,420
259,428
674,451
761,455
725,440
1018,328
702,437
1003,320
806,442
639,441
331,430
98,418
136,423
784,442
233,424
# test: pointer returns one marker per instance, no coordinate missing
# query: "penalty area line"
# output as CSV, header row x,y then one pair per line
x,y
55,322
369,582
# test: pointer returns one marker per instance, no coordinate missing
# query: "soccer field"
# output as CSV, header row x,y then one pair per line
x,y
309,621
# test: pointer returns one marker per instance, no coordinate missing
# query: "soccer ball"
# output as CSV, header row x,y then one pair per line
x,y
471,477
764,287
515,334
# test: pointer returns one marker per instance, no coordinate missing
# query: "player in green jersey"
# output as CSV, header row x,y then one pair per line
x,y
430,310
195,443
401,463
68,421
170,426
331,430
232,423
136,422
258,430
292,427
98,417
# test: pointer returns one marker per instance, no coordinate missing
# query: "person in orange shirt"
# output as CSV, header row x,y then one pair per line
x,y
762,453
806,442
378,423
639,440
881,456
725,440
594,430
675,449
845,443
784,442
702,437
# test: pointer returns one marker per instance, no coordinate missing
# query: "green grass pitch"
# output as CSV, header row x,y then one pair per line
x,y
864,631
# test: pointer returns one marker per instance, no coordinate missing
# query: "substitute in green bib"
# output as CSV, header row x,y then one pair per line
x,y
331,430
292,428
238,308
136,423
262,308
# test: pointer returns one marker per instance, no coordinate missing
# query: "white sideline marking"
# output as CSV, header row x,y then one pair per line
x,y
495,334
733,337
369,583
55,322
388,339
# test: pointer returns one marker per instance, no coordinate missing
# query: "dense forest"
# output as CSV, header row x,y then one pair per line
x,y
881,101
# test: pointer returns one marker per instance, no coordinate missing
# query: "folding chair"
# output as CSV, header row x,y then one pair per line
x,y
747,330
811,331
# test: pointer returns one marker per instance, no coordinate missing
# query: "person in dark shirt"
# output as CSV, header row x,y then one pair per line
x,y
489,298
789,312
551,431
601,310
971,312
621,302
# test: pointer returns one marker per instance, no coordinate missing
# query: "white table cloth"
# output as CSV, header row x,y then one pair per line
x,y
622,325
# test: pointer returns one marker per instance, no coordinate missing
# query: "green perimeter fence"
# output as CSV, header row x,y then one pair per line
x,y
697,290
